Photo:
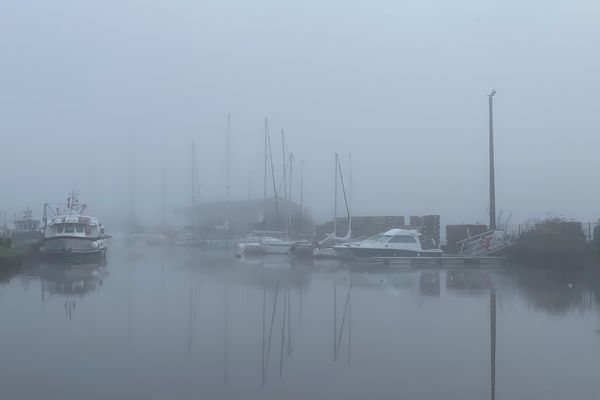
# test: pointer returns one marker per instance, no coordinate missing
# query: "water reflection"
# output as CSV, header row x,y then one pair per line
x,y
470,282
429,283
70,281
185,324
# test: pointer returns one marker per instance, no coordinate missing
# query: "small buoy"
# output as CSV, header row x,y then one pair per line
x,y
570,285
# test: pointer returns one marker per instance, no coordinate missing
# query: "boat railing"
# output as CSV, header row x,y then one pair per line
x,y
486,243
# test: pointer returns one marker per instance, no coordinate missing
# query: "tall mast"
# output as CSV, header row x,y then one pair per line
x,y
290,185
193,177
273,173
265,181
492,177
228,152
302,187
290,194
350,190
335,196
164,187
284,160
131,183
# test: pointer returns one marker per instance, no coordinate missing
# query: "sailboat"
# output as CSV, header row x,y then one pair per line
x,y
266,244
189,236
324,248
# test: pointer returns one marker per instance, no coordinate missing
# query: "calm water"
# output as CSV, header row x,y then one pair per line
x,y
161,323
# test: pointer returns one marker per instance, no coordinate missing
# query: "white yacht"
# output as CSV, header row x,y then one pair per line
x,y
393,243
71,232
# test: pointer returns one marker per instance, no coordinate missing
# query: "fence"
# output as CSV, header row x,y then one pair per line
x,y
587,228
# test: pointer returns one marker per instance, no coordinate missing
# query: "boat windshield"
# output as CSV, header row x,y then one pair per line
x,y
379,238
403,239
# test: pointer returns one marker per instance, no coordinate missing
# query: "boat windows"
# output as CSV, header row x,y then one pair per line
x,y
59,228
88,229
375,238
79,228
69,228
403,239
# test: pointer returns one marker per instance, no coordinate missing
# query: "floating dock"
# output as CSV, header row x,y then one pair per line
x,y
448,261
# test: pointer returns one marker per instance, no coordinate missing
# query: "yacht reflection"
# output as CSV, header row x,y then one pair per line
x,y
429,283
471,282
379,280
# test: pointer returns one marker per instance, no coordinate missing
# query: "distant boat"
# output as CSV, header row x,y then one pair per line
x,y
393,243
189,236
264,242
325,247
26,232
71,232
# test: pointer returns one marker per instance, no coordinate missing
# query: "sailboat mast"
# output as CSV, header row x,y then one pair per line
x,y
228,152
302,187
131,184
290,185
164,187
273,173
350,190
265,181
284,162
193,177
335,196
290,195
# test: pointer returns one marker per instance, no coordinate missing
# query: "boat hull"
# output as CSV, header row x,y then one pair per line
x,y
374,252
73,246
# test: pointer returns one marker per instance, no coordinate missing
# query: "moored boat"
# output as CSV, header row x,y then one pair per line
x,y
393,243
70,232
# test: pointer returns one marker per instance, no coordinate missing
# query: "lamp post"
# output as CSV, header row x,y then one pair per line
x,y
492,178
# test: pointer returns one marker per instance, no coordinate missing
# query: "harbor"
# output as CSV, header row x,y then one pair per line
x,y
294,323
299,200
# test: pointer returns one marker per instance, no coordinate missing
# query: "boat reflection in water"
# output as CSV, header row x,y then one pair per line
x,y
69,281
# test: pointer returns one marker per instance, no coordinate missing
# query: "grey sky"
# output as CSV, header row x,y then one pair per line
x,y
401,85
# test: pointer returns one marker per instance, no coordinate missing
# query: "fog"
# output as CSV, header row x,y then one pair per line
x,y
90,91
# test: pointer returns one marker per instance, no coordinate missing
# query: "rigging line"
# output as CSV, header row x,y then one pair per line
x,y
283,328
339,342
271,329
343,188
272,172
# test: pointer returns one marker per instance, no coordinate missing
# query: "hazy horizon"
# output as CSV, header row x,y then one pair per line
x,y
402,86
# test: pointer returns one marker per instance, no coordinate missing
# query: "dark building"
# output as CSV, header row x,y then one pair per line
x,y
240,217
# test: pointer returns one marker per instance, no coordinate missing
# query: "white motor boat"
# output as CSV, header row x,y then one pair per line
x,y
393,243
71,232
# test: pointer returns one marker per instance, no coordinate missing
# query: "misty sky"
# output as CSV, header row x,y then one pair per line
x,y
401,85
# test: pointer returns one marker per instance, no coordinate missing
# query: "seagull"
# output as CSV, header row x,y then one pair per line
x,y
493,93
